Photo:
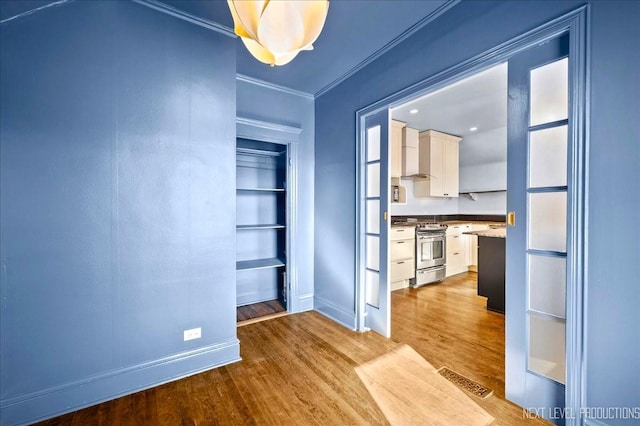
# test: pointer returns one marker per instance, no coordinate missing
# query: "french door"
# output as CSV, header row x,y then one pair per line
x,y
538,167
374,224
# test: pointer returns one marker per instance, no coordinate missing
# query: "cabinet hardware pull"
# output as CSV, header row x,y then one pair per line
x,y
400,230
400,263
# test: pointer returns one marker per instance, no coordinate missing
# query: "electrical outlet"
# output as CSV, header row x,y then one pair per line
x,y
193,333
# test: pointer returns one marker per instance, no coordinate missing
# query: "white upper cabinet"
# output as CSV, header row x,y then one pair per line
x,y
395,143
439,160
410,158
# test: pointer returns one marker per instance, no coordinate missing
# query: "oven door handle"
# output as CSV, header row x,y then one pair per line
x,y
431,238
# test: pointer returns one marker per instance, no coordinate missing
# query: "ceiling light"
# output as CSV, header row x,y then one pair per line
x,y
274,32
413,111
473,129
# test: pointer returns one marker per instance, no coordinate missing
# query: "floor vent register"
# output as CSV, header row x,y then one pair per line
x,y
465,383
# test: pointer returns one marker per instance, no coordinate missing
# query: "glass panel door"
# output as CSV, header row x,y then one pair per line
x,y
375,201
537,189
547,227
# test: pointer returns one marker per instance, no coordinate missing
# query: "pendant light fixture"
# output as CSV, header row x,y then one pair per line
x,y
275,31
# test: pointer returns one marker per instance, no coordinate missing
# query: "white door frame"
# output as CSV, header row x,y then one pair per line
x,y
289,136
575,23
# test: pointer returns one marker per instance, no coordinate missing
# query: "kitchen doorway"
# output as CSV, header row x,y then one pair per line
x,y
454,323
572,26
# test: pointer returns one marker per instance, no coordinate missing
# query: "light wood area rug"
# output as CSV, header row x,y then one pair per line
x,y
409,391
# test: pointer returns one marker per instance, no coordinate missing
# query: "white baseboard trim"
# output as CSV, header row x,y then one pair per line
x,y
305,302
399,285
336,313
36,406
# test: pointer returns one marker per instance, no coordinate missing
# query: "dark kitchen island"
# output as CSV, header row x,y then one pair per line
x,y
491,266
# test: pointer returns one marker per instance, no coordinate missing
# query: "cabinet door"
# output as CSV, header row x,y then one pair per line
x,y
436,167
439,159
455,263
473,250
396,148
410,152
402,249
454,230
402,233
451,168
402,270
473,244
455,243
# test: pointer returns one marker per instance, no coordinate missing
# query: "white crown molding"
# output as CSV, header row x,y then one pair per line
x,y
259,125
273,86
384,49
36,10
177,13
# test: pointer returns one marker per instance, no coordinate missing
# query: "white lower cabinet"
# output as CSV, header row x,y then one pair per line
x,y
473,246
402,249
457,249
402,256
462,252
402,270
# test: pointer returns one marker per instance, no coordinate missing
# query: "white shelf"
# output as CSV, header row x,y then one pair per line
x,y
272,226
259,152
481,191
260,189
245,265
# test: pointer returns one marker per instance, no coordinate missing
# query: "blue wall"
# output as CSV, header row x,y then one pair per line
x,y
613,286
269,104
117,151
457,35
470,28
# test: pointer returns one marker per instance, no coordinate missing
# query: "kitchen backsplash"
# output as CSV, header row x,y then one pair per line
x,y
420,205
484,203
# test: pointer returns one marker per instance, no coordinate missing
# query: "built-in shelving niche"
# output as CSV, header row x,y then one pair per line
x,y
261,224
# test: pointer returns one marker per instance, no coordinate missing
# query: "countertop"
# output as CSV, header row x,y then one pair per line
x,y
473,222
500,232
450,223
403,224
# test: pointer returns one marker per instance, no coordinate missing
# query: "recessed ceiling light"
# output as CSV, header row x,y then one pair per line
x,y
473,129
413,111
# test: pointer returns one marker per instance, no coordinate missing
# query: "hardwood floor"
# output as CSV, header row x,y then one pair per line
x,y
299,369
449,325
257,310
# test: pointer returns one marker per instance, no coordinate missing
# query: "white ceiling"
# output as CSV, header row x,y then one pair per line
x,y
477,101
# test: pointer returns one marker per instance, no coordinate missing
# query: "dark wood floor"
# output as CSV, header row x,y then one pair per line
x,y
257,310
299,369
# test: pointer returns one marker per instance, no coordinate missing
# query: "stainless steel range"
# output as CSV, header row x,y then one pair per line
x,y
430,253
